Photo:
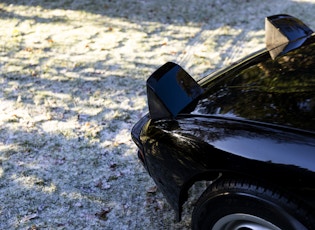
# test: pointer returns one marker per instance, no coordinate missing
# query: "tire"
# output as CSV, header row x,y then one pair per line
x,y
234,204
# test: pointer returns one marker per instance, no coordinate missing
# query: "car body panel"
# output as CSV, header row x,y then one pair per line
x,y
255,118
181,152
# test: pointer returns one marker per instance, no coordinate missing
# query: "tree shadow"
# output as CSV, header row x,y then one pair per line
x,y
197,11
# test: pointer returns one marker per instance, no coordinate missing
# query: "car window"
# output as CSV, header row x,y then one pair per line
x,y
280,91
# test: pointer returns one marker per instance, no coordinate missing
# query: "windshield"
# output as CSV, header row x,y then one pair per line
x,y
280,91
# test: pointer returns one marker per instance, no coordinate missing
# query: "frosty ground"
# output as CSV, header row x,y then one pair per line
x,y
72,76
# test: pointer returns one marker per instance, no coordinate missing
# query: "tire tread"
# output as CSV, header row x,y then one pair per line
x,y
294,206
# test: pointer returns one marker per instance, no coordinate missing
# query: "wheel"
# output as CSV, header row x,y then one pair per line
x,y
234,204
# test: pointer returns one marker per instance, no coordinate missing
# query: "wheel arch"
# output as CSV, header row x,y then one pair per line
x,y
215,176
263,192
207,176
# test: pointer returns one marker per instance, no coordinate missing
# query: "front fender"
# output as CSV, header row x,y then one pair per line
x,y
181,152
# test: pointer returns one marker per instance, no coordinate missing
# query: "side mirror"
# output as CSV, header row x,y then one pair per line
x,y
284,33
170,90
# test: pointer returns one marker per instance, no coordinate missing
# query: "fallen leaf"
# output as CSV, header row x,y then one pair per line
x,y
29,217
152,189
103,213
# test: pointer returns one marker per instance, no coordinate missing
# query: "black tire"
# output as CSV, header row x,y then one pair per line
x,y
240,204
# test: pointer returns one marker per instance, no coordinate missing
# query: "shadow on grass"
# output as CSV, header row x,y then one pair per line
x,y
183,12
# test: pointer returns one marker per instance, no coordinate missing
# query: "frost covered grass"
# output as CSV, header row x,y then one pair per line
x,y
72,76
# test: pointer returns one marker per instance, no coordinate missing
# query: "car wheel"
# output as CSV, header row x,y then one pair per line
x,y
234,204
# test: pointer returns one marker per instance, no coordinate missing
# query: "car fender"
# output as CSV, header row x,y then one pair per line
x,y
201,148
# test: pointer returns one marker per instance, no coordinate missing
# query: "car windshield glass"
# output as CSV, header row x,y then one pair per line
x,y
280,91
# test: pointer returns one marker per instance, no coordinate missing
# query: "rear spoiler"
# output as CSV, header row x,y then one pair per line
x,y
170,90
284,33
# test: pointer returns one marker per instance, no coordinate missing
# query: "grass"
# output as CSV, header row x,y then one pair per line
x,y
72,78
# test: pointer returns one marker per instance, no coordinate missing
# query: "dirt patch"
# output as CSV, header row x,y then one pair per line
x,y
73,84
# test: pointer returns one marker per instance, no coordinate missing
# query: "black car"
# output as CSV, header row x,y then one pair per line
x,y
248,128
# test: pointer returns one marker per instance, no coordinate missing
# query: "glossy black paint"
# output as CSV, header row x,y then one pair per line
x,y
253,119
170,89
280,91
284,33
